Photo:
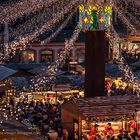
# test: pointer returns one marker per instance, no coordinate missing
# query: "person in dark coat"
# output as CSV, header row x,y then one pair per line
x,y
134,134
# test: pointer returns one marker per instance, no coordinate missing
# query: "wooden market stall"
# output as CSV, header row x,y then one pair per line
x,y
78,111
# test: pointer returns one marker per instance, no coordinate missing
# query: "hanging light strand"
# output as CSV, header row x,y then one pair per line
x,y
49,73
36,21
124,20
22,41
24,7
124,67
132,4
124,7
63,25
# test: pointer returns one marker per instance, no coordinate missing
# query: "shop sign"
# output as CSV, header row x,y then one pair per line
x,y
50,95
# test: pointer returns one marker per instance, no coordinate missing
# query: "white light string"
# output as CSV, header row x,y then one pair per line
x,y
123,6
49,73
21,8
124,67
23,41
36,21
134,5
125,20
63,25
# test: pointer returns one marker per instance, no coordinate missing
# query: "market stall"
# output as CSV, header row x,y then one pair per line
x,y
58,93
79,115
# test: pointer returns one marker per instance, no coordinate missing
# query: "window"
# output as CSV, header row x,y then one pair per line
x,y
46,56
80,54
28,56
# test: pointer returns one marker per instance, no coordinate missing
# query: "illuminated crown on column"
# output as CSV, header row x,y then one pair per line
x,y
95,14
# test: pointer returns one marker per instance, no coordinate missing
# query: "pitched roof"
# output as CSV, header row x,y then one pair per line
x,y
5,72
24,66
107,106
112,70
136,64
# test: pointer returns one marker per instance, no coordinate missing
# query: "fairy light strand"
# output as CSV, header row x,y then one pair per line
x,y
21,8
38,20
22,41
128,73
50,73
63,25
124,20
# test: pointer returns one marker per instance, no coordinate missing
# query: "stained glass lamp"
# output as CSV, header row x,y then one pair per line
x,y
95,15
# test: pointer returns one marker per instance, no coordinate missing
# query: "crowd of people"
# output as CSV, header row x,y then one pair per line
x,y
108,134
117,87
41,116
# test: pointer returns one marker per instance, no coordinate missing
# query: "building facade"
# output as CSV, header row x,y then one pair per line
x,y
37,53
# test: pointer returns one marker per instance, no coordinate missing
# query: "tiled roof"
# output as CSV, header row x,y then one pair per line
x,y
106,106
136,64
23,66
5,72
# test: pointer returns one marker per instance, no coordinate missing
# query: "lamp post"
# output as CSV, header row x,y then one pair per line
x,y
95,17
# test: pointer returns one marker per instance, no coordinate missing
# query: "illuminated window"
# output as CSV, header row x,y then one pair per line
x,y
28,56
46,56
80,54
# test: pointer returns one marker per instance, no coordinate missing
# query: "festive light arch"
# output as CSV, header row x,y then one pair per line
x,y
93,16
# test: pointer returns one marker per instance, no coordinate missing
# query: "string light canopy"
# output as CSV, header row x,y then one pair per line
x,y
93,15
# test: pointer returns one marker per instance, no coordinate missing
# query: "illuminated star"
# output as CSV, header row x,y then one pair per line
x,y
101,20
85,19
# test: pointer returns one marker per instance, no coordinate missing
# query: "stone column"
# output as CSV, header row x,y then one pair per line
x,y
95,63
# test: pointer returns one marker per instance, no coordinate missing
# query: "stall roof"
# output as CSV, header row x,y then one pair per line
x,y
5,72
138,73
106,106
39,70
113,70
136,64
43,69
4,88
60,87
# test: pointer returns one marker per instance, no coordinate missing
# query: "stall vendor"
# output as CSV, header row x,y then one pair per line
x,y
93,132
109,130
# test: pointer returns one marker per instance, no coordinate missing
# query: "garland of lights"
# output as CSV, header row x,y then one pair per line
x,y
129,75
36,21
123,117
124,19
63,25
123,7
53,68
25,7
49,73
134,5
23,40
